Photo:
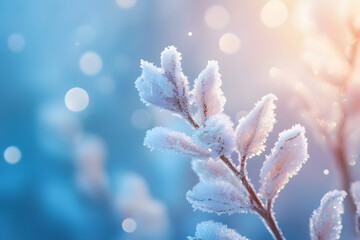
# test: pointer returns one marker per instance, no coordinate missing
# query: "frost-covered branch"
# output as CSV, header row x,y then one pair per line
x,y
224,186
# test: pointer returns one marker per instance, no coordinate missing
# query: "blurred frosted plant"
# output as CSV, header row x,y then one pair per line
x,y
355,192
325,222
132,199
328,95
224,185
214,231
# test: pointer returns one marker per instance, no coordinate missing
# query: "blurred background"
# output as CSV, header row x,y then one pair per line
x,y
73,164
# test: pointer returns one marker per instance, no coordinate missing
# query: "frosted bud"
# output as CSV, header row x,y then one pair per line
x,y
168,140
325,221
208,96
217,135
253,130
218,197
285,160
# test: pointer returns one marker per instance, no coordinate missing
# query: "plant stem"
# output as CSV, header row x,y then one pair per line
x,y
265,213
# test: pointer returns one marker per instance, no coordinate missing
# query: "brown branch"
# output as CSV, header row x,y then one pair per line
x,y
258,206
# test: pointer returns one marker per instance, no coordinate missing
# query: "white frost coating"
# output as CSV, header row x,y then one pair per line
x,y
355,192
165,87
171,66
325,221
217,135
210,230
217,197
253,130
285,160
168,140
208,96
211,170
154,89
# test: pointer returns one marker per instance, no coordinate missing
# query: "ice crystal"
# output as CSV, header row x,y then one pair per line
x,y
325,222
252,131
208,96
217,135
285,160
168,140
210,230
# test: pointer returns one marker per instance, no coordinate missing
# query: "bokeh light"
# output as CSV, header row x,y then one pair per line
x,y
274,14
326,172
12,154
217,17
129,225
229,43
126,3
90,63
76,99
16,42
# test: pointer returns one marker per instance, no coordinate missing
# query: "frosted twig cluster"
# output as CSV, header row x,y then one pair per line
x,y
329,92
224,185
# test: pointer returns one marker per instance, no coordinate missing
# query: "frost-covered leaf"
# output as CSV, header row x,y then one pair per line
x,y
285,160
168,140
253,130
212,170
355,192
171,65
218,197
207,93
154,89
217,135
325,222
165,87
210,230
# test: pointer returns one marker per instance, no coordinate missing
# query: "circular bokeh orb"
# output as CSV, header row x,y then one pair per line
x,y
90,63
274,14
129,225
76,99
126,4
16,42
217,17
12,154
229,43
